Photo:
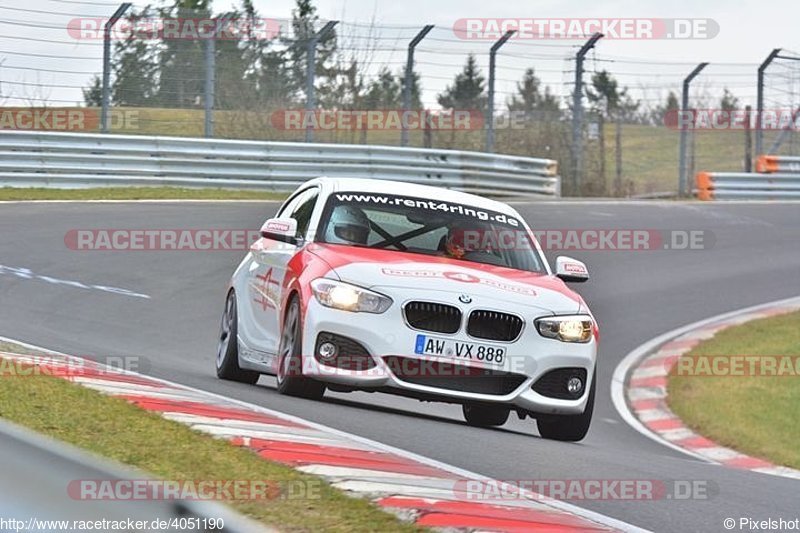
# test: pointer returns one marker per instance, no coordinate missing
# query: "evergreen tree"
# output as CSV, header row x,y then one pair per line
x,y
93,95
135,69
384,92
305,24
728,102
181,63
608,99
671,106
529,99
467,89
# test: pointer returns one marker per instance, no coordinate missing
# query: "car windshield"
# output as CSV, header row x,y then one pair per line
x,y
430,227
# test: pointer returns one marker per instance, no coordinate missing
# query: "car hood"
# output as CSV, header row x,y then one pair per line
x,y
394,271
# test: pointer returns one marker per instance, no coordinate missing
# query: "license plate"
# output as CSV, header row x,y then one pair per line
x,y
463,351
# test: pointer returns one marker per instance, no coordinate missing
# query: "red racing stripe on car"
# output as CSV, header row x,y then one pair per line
x,y
338,255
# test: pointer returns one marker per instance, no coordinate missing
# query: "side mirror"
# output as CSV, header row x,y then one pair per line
x,y
569,269
280,229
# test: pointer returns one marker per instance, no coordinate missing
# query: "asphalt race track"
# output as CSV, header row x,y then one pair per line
x,y
635,295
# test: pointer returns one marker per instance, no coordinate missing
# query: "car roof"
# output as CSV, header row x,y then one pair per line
x,y
415,190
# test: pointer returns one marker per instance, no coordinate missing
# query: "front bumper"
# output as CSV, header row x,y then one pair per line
x,y
387,336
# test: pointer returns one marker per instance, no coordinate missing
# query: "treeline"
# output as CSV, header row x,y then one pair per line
x,y
254,73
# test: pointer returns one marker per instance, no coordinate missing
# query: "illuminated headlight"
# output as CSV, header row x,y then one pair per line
x,y
340,295
577,328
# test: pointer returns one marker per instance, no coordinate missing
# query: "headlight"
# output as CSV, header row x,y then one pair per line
x,y
340,295
576,328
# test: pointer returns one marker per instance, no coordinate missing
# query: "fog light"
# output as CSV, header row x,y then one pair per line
x,y
327,351
574,385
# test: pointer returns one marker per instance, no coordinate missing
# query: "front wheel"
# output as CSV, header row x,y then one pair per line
x,y
228,347
571,428
291,380
481,415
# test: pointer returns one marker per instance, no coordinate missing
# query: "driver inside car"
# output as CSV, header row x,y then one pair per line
x,y
348,225
459,241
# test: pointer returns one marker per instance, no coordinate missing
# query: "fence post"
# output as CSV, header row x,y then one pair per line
x,y
490,104
104,126
210,80
683,169
311,66
577,113
408,80
748,140
760,100
618,156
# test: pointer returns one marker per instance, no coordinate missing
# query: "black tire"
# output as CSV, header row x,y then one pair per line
x,y
291,380
570,428
227,361
482,415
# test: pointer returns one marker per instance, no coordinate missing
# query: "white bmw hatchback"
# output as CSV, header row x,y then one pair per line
x,y
382,286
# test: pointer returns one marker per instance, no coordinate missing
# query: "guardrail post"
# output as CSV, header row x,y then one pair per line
x,y
311,66
577,113
408,80
104,126
760,100
683,169
490,104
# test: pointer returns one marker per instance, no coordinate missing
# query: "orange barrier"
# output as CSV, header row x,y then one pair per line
x,y
767,163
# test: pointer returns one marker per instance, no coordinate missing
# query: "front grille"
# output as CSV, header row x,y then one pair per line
x,y
554,383
350,355
493,325
431,316
453,377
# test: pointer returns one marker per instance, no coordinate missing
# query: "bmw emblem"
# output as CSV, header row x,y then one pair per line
x,y
465,299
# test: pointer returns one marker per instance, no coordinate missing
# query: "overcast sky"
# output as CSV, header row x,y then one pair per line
x,y
748,30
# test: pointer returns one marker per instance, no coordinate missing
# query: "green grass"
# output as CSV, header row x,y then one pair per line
x,y
120,431
134,193
755,415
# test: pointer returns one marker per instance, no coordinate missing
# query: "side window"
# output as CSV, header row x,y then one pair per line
x,y
303,210
288,207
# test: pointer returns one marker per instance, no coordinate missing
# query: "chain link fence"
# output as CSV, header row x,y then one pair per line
x,y
239,75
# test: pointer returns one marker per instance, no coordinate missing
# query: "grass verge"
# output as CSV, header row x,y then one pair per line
x,y
134,193
756,415
122,432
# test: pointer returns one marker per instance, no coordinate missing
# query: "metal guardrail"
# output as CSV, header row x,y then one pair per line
x,y
74,160
778,163
747,186
35,488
